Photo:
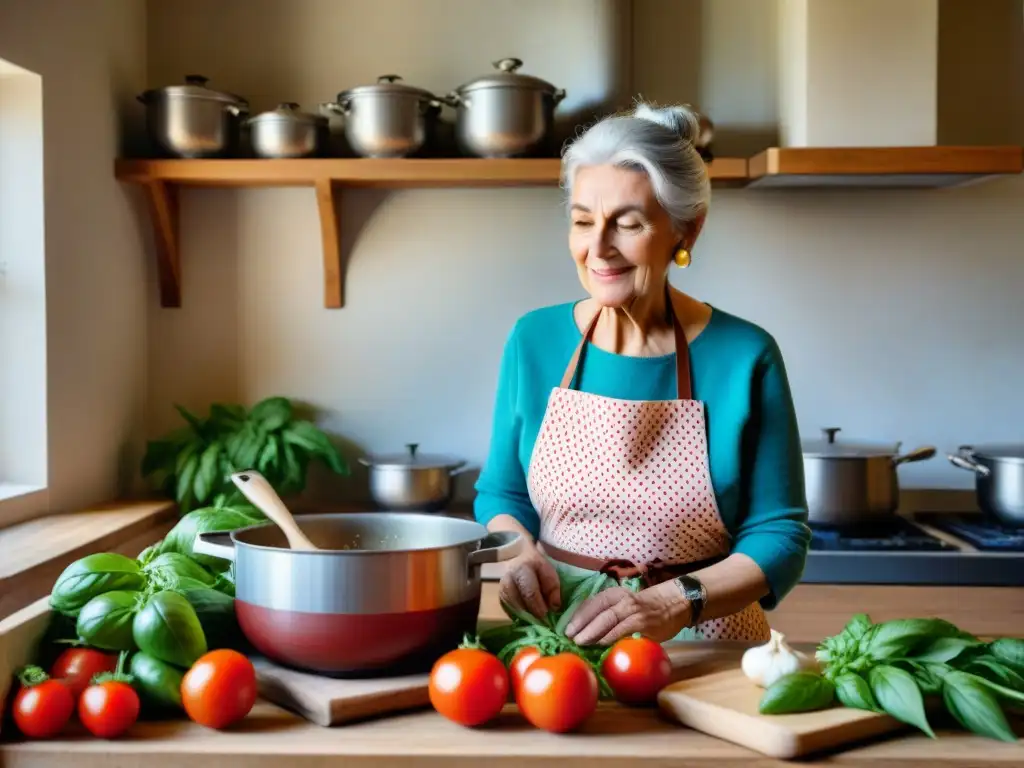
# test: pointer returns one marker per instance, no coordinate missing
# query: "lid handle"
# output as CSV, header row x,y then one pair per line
x,y
830,434
412,449
389,78
196,80
508,65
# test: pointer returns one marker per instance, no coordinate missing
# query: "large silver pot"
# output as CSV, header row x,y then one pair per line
x,y
286,132
384,593
387,119
194,121
504,113
413,481
850,483
998,479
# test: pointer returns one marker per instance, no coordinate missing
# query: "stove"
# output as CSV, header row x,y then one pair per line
x,y
928,548
895,535
980,532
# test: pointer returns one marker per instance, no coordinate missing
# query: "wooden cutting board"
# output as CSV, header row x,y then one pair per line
x,y
328,701
724,705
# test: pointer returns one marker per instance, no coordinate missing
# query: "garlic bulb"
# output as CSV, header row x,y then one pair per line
x,y
766,663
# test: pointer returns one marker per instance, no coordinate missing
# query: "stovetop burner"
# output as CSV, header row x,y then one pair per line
x,y
896,535
979,531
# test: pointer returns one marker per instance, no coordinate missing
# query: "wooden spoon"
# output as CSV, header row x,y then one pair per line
x,y
262,494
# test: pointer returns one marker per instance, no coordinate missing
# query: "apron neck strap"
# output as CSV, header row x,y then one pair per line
x,y
684,388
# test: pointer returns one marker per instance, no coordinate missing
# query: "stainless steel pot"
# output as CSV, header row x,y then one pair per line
x,y
192,120
388,119
412,481
287,132
849,483
383,593
504,113
998,479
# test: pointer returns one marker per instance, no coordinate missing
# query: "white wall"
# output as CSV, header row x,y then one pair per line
x,y
899,313
91,56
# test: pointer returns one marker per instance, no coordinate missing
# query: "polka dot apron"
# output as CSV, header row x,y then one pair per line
x,y
624,492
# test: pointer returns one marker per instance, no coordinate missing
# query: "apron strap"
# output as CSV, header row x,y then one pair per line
x,y
654,572
684,386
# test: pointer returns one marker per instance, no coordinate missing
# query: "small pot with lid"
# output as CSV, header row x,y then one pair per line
x,y
848,482
504,113
386,119
286,131
998,479
413,481
192,120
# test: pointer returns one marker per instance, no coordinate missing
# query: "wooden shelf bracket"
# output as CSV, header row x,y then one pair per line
x,y
334,294
162,201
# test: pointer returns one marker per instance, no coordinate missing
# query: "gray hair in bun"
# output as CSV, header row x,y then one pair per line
x,y
656,140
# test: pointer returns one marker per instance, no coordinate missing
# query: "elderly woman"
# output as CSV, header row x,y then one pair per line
x,y
641,436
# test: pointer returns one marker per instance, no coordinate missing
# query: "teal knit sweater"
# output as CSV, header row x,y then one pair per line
x,y
755,458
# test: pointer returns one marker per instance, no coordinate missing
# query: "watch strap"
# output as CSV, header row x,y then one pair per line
x,y
696,594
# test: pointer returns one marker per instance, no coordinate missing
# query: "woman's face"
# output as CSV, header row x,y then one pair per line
x,y
620,237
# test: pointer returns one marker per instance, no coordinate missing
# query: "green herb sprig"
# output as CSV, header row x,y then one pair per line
x,y
894,667
193,464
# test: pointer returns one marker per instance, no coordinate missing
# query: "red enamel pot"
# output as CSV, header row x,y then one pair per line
x,y
384,593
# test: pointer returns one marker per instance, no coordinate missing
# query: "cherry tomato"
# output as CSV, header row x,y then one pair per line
x,y
42,709
636,668
558,693
109,708
76,667
219,689
521,661
469,686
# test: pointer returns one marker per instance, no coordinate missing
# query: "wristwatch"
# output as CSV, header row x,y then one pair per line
x,y
695,593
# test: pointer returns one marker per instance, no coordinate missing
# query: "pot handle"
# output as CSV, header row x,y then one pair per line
x,y
557,96
455,100
964,459
918,454
215,544
496,547
329,108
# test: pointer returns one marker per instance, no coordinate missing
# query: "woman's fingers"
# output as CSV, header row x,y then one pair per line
x,y
525,578
550,584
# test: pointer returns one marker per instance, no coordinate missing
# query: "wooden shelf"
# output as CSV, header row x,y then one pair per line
x,y
161,179
907,167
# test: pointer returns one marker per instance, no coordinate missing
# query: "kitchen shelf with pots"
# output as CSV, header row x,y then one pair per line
x,y
161,180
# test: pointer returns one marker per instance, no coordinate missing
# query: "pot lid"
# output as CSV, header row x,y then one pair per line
x,y
289,111
195,86
386,84
829,446
413,459
506,76
997,451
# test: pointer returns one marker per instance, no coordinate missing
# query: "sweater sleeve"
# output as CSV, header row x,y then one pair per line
x,y
774,532
501,487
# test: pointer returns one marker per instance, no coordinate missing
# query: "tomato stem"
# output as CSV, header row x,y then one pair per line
x,y
32,674
118,675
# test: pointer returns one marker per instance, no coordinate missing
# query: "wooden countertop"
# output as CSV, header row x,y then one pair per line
x,y
271,735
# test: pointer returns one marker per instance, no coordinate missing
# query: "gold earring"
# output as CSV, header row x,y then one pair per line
x,y
682,258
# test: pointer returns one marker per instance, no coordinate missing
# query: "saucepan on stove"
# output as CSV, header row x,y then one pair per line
x,y
850,482
383,593
998,479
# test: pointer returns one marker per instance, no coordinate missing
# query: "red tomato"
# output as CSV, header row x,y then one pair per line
x,y
219,689
108,709
76,667
636,668
42,710
558,693
521,661
469,686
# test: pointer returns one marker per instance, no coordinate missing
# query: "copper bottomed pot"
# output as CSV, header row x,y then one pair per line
x,y
385,593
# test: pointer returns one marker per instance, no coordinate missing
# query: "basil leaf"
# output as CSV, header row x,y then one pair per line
x,y
992,670
105,622
182,536
158,683
90,577
797,692
171,569
858,626
897,694
927,675
899,638
945,649
975,708
853,691
1009,650
169,629
207,477
272,413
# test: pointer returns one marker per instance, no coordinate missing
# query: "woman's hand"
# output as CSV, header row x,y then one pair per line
x,y
532,583
658,612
